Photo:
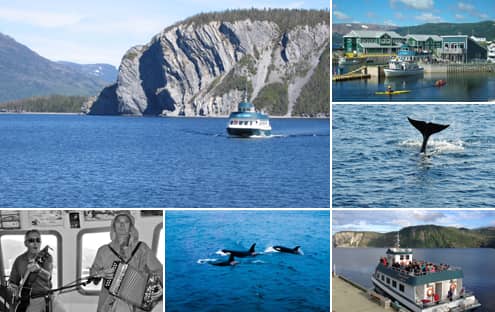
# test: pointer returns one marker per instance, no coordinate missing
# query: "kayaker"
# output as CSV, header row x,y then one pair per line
x,y
389,89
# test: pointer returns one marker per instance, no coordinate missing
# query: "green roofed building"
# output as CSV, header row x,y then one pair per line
x,y
424,43
372,42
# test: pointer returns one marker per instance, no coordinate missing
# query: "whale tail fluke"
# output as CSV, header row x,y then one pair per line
x,y
252,247
426,129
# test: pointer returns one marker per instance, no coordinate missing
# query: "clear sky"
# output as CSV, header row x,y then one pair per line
x,y
412,12
392,220
93,31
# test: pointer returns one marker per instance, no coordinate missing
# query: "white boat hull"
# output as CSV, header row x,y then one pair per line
x,y
401,73
413,307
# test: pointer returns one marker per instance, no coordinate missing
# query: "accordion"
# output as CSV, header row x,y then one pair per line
x,y
133,286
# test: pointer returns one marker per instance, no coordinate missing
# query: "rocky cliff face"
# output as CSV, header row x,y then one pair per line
x,y
204,68
351,239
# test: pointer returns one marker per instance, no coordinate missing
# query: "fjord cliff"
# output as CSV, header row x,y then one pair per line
x,y
422,236
202,66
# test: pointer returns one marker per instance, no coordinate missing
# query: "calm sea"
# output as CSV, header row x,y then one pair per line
x,y
96,161
271,281
376,160
359,263
460,87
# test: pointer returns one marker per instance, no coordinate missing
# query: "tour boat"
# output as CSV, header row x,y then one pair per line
x,y
398,68
491,53
422,286
246,122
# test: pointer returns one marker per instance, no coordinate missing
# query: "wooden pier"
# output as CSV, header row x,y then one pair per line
x,y
360,73
348,296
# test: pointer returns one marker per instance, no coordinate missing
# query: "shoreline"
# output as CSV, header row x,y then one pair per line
x,y
219,117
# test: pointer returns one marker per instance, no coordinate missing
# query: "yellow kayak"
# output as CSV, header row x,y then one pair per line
x,y
392,92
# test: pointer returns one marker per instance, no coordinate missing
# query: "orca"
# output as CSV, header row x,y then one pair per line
x,y
294,250
242,254
426,129
231,261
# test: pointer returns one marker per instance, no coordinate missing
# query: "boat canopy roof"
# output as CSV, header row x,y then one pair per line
x,y
399,251
245,106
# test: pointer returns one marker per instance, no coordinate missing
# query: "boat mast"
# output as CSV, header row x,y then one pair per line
x,y
397,243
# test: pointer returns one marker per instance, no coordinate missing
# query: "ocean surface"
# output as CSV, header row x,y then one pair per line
x,y
105,161
463,87
358,264
271,281
376,160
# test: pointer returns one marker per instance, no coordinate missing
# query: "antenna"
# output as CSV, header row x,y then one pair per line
x,y
398,240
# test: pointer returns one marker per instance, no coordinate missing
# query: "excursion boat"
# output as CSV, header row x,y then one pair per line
x,y
404,64
399,68
422,286
247,122
491,53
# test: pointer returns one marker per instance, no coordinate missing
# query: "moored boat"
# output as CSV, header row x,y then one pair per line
x,y
247,122
422,286
398,68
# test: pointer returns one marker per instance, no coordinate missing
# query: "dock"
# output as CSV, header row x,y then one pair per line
x,y
360,73
348,296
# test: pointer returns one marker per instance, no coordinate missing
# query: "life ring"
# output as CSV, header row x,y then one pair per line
x,y
429,292
453,286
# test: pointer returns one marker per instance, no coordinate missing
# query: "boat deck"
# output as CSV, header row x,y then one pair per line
x,y
347,297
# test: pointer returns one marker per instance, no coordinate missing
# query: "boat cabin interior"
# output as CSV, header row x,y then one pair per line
x,y
73,238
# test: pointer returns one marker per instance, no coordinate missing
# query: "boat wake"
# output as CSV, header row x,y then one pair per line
x,y
204,261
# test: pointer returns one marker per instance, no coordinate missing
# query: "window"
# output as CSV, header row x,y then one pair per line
x,y
394,284
401,287
158,244
90,241
13,246
388,280
383,277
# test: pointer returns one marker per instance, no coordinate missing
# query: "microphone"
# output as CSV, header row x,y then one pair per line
x,y
95,279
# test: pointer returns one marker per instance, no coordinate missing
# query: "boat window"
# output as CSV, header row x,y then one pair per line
x,y
13,245
383,277
388,280
88,243
401,287
407,257
394,284
158,244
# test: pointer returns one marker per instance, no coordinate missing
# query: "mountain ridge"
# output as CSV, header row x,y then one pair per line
x,y
423,236
26,74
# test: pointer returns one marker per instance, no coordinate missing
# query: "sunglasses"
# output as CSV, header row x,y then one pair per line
x,y
34,240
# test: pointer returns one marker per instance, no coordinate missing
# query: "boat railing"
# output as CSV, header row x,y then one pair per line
x,y
428,269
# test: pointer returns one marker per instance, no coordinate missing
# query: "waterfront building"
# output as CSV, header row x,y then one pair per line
x,y
424,43
372,42
461,49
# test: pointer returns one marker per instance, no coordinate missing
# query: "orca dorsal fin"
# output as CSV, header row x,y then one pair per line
x,y
252,247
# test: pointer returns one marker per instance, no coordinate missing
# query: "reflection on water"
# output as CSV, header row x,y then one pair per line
x,y
358,264
459,87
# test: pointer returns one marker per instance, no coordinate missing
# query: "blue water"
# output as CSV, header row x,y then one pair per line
x,y
358,264
376,160
463,87
96,161
268,282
